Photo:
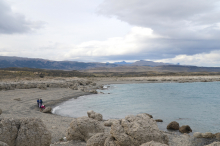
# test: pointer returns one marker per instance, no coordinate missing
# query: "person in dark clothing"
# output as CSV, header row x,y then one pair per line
x,y
40,103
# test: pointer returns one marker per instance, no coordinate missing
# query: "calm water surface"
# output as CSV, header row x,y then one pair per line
x,y
193,104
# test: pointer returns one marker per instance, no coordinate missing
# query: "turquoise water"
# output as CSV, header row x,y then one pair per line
x,y
194,104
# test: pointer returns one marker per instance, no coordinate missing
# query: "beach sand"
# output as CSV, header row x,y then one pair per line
x,y
57,125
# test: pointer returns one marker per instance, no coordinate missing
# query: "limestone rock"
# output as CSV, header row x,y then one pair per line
x,y
208,135
83,128
149,115
94,115
214,144
217,136
47,110
97,140
159,120
197,135
109,122
152,143
136,130
185,129
32,132
0,111
9,131
109,141
173,126
93,91
24,132
3,144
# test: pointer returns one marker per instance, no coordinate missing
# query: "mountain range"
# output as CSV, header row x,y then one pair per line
x,y
138,66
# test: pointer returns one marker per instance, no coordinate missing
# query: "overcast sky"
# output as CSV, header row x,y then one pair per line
x,y
171,31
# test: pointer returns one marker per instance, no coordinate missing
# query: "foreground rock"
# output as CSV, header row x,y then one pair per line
x,y
152,143
214,144
3,144
84,128
173,126
97,140
94,115
136,130
47,110
24,132
185,129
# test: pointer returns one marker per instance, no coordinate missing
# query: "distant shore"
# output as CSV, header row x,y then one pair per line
x,y
22,103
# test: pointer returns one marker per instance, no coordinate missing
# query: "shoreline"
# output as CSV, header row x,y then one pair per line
x,y
56,124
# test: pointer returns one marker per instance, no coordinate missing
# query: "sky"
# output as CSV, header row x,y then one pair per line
x,y
171,31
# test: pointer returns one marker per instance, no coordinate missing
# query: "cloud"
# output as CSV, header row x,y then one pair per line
x,y
188,27
11,22
211,59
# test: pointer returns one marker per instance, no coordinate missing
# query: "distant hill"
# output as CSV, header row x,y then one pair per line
x,y
148,63
164,68
138,66
6,62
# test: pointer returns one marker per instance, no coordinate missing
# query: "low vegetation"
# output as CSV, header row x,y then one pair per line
x,y
9,73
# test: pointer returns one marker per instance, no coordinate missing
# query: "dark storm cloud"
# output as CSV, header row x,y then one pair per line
x,y
11,22
189,27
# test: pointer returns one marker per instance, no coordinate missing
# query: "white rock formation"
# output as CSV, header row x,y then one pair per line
x,y
83,128
94,115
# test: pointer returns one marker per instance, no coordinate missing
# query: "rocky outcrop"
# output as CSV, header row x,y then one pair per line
x,y
72,84
0,111
110,122
94,115
84,128
173,126
208,135
217,136
47,110
110,141
24,132
136,130
214,144
185,129
3,144
197,135
159,120
97,140
152,143
149,115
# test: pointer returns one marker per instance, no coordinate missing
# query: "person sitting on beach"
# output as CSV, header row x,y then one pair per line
x,y
40,103
42,107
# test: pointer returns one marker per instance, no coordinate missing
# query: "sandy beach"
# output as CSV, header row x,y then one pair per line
x,y
22,103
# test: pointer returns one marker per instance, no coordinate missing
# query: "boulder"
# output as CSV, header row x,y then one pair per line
x,y
159,120
208,135
173,126
185,129
109,122
110,141
214,144
9,131
152,143
136,130
94,115
217,136
93,91
42,86
3,144
47,110
83,128
24,132
197,135
0,111
97,139
149,115
32,132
